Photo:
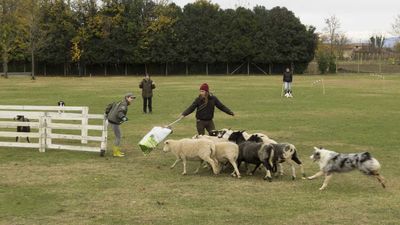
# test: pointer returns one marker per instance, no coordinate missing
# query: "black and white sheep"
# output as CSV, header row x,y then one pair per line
x,y
284,152
253,151
192,149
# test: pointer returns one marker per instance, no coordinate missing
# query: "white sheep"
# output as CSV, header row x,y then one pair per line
x,y
225,151
192,149
212,138
228,151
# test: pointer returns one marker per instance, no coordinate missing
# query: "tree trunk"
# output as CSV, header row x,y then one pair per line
x,y
270,68
248,68
65,69
45,70
5,64
187,69
227,68
145,68
126,69
105,69
33,64
207,69
166,69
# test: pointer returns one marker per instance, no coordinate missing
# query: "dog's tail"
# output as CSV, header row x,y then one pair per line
x,y
369,163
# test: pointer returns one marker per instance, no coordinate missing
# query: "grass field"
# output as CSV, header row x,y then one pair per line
x,y
357,113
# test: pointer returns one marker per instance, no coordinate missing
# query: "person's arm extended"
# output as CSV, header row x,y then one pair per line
x,y
191,108
222,107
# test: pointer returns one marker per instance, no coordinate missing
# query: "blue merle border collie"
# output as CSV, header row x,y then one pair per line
x,y
332,162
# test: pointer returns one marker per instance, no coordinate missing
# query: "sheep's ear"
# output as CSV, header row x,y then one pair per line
x,y
315,148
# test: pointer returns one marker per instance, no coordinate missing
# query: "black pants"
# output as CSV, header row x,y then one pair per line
x,y
204,124
147,103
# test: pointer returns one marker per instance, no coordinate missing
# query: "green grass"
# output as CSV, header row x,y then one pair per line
x,y
357,113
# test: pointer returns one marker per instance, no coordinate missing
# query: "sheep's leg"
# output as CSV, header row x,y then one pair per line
x,y
297,160
198,168
236,170
255,168
268,169
212,163
318,174
176,161
326,181
293,169
280,170
16,139
184,165
27,139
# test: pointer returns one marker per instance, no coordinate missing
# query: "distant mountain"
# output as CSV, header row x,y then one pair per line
x,y
390,42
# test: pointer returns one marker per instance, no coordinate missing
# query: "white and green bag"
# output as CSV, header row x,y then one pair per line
x,y
153,138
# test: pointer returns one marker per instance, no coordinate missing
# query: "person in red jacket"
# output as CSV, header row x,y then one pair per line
x,y
205,104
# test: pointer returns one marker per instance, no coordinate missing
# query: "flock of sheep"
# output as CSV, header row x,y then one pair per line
x,y
234,147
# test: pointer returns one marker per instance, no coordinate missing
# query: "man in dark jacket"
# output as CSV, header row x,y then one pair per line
x,y
205,105
287,80
147,86
116,115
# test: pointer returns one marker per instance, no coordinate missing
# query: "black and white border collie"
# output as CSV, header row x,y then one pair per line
x,y
61,104
332,162
26,129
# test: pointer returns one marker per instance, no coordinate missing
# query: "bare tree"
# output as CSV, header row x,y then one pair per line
x,y
340,43
332,30
396,26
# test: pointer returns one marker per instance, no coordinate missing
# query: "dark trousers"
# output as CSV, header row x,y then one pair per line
x,y
147,103
204,124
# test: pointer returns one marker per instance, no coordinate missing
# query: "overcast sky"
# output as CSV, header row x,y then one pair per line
x,y
359,18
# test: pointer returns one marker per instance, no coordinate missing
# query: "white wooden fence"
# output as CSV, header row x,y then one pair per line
x,y
46,118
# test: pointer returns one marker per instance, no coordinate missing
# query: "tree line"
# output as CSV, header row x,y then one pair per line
x,y
87,33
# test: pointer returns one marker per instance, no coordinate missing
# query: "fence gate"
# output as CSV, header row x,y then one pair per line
x,y
53,127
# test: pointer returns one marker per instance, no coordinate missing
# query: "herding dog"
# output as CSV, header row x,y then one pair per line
x,y
61,103
21,118
332,162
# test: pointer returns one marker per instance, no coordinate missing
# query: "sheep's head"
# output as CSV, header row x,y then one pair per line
x,y
167,146
288,151
255,138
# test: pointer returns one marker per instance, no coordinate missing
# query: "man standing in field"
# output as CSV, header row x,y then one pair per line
x,y
205,104
287,81
147,86
116,115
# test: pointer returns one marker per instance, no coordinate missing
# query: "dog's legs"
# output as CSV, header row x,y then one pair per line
x,y
379,178
176,161
326,181
318,174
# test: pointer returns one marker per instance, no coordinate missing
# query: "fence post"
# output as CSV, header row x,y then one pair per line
x,y
48,130
42,133
84,131
104,136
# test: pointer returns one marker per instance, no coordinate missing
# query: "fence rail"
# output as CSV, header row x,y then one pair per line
x,y
45,121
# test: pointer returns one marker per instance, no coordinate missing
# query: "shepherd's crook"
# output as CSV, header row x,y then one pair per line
x,y
169,125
